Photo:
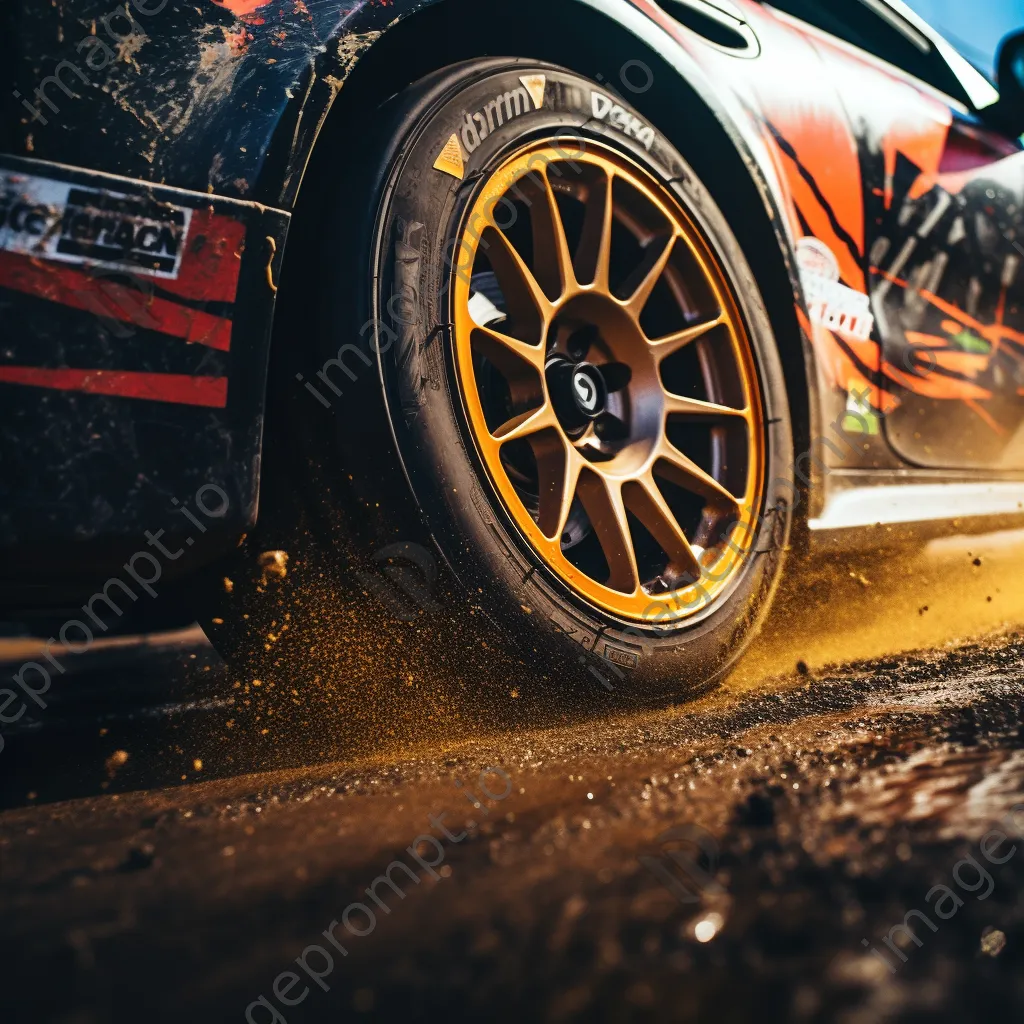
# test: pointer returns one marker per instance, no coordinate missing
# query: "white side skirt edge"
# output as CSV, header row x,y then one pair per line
x,y
919,503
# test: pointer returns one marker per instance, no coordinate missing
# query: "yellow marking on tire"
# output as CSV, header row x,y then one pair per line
x,y
450,161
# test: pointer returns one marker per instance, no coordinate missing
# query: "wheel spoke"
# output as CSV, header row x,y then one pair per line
x,y
509,355
525,424
684,472
652,268
602,499
672,343
558,467
526,301
595,249
645,500
550,247
677,404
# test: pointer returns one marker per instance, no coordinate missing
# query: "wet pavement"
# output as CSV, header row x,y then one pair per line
x,y
753,854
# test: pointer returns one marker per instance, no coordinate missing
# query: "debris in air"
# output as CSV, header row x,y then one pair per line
x,y
274,565
993,942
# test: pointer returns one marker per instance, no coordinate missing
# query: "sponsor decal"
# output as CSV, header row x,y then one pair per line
x,y
505,107
606,109
73,224
860,418
830,303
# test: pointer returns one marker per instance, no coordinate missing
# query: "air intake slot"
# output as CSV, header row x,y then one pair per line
x,y
718,27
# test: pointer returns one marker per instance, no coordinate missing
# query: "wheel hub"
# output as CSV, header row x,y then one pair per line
x,y
578,392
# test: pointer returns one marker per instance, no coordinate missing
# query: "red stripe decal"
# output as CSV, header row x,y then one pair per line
x,y
212,260
178,388
105,298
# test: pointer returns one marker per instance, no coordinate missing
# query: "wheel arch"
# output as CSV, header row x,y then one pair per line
x,y
593,38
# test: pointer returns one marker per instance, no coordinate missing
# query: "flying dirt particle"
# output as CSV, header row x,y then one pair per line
x,y
989,599
529,611
197,764
118,759
513,694
274,565
921,611
976,562
228,851
708,927
860,578
229,586
218,622
993,942
802,668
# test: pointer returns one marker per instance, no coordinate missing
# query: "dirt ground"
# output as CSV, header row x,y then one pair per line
x,y
743,856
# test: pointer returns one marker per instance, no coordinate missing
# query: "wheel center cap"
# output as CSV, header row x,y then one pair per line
x,y
578,391
589,390
588,397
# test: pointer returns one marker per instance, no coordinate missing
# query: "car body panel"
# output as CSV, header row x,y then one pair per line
x,y
194,98
942,195
911,206
214,108
133,373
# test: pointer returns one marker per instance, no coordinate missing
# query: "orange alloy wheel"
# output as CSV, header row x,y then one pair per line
x,y
608,380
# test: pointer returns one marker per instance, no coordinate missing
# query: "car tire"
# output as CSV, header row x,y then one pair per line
x,y
406,463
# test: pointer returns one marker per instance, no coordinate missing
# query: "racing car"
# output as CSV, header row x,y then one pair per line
x,y
608,303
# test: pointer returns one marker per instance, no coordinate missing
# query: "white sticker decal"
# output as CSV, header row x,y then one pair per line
x,y
829,302
55,220
606,109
